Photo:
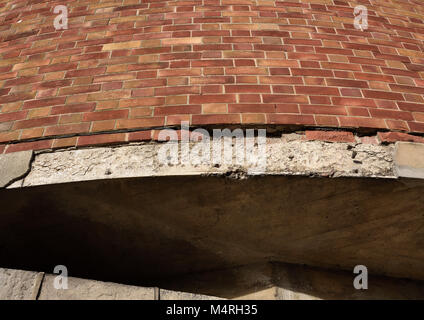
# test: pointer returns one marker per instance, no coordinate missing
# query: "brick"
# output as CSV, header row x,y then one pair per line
x,y
101,139
173,110
73,108
215,119
317,90
40,122
213,98
140,123
153,101
79,89
290,119
105,115
330,136
36,145
85,72
12,116
65,142
58,67
247,89
140,135
319,109
121,45
382,95
362,122
67,129
388,137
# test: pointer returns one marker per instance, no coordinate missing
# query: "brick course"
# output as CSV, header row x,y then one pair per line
x,y
139,64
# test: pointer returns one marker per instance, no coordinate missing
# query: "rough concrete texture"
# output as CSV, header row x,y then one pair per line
x,y
409,160
81,289
19,284
288,155
178,295
13,166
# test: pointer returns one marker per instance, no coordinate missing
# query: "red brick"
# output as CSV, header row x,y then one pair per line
x,y
391,114
382,95
57,67
32,123
216,119
247,89
213,98
140,123
101,139
317,90
398,136
73,108
23,146
105,115
290,119
140,135
330,136
67,129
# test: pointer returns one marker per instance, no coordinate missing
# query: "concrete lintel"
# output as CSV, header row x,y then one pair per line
x,y
288,155
13,166
409,160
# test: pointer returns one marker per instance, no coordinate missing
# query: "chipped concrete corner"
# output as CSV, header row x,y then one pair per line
x,y
285,155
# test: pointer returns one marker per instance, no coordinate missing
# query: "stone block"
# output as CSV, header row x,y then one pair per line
x,y
409,160
13,166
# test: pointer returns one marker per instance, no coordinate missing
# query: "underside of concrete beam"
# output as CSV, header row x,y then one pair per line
x,y
119,214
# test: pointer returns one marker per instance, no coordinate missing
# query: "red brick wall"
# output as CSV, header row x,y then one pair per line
x,y
137,64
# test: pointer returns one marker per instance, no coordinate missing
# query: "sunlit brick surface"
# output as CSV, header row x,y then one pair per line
x,y
137,64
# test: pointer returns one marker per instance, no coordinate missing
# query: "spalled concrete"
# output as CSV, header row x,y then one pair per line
x,y
13,166
288,155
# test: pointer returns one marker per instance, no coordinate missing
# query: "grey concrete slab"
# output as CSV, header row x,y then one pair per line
x,y
13,166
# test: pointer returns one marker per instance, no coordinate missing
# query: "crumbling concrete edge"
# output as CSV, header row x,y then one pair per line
x,y
289,154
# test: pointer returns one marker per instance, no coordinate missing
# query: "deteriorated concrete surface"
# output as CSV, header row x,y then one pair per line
x,y
288,155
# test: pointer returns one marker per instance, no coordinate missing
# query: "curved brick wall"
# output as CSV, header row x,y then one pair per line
x,y
130,64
